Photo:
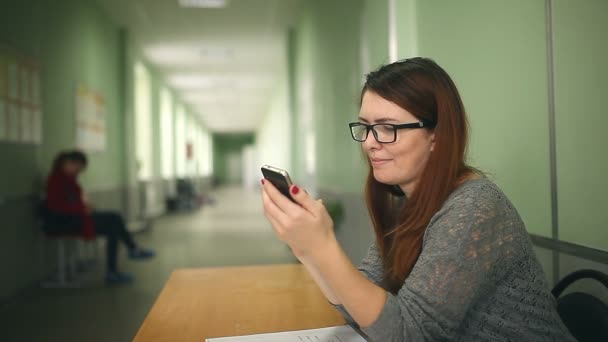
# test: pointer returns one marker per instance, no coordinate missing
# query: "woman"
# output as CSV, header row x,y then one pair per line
x,y
452,259
68,213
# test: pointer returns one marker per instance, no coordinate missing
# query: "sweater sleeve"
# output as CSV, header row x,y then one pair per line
x,y
373,269
372,266
469,245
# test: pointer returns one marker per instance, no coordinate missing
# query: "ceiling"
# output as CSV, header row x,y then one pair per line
x,y
223,62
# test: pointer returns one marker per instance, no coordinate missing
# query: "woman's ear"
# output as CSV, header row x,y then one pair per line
x,y
432,138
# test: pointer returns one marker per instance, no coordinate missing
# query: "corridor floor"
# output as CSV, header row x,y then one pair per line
x,y
233,232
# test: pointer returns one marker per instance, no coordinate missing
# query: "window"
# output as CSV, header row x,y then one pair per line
x,y
208,170
192,150
180,141
167,136
143,122
205,153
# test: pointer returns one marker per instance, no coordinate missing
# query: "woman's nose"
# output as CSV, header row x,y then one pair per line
x,y
371,143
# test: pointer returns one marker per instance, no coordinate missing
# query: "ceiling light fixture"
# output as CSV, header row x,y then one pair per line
x,y
203,3
216,54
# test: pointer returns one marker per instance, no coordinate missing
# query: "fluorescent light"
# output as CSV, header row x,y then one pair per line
x,y
189,81
216,54
223,96
204,3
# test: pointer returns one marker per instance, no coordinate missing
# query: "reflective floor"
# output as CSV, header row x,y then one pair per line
x,y
233,232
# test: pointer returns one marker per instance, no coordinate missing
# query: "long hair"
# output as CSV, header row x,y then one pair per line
x,y
424,89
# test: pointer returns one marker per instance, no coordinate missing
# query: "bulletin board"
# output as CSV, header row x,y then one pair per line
x,y
90,119
20,98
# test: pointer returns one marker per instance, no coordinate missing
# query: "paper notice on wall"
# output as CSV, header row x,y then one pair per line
x,y
3,73
13,81
90,120
13,121
24,124
20,96
24,83
36,100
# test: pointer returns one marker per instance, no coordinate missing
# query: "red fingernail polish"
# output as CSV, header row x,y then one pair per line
x,y
295,190
262,181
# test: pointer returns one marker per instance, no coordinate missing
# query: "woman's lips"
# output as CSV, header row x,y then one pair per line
x,y
379,161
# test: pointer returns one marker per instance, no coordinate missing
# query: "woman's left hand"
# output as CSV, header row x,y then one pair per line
x,y
305,225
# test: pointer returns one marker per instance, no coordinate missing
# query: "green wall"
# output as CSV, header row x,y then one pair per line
x,y
406,28
496,53
580,55
75,43
225,144
340,163
274,135
376,22
328,75
302,60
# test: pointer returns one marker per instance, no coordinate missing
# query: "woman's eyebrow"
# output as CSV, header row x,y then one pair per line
x,y
379,120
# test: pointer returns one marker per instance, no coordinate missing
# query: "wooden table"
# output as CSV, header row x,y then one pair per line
x,y
212,302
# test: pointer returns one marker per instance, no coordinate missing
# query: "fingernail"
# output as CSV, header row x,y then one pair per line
x,y
295,190
262,181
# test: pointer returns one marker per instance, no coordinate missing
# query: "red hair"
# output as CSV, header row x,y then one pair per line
x,y
424,89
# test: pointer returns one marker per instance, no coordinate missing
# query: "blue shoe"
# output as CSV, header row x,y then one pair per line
x,y
141,254
119,278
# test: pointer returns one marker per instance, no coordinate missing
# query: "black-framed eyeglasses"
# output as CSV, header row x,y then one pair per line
x,y
383,132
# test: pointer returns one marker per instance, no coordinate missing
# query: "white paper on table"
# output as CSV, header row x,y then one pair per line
x,y
332,334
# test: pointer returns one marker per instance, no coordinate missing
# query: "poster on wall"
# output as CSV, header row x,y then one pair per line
x,y
13,78
3,120
13,122
24,124
90,119
20,101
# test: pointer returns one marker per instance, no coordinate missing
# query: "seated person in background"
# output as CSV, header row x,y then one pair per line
x,y
68,213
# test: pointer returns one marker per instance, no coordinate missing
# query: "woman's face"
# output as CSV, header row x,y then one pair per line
x,y
401,162
72,167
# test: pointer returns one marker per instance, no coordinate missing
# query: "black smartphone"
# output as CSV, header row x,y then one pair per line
x,y
279,178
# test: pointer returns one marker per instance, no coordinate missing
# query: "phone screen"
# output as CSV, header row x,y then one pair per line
x,y
279,178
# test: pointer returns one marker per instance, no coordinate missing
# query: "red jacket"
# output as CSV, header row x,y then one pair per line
x,y
64,196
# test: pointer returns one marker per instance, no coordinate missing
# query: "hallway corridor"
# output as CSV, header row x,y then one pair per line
x,y
233,232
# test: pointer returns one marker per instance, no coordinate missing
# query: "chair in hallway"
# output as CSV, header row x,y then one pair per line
x,y
74,255
68,258
584,315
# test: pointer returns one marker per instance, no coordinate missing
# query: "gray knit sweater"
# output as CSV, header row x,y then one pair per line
x,y
477,278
